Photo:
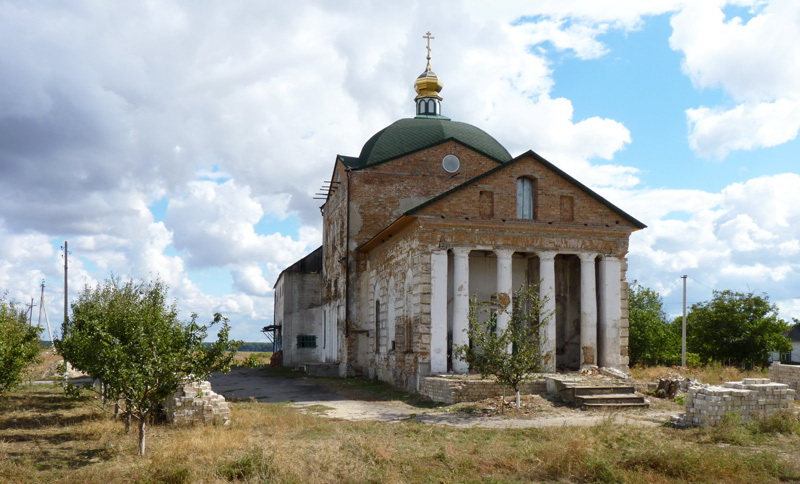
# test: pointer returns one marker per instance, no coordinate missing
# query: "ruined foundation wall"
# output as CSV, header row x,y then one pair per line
x,y
195,402
786,374
454,389
751,398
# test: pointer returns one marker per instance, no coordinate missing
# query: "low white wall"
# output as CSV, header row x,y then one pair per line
x,y
786,374
196,402
751,398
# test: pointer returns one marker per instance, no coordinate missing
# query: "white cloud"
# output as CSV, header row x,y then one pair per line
x,y
743,238
233,114
214,223
752,62
717,132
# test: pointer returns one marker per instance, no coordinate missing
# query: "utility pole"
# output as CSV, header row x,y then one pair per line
x,y
30,313
66,267
683,328
46,318
64,328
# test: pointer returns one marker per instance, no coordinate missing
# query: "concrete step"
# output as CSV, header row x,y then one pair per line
x,y
598,395
602,390
610,399
615,406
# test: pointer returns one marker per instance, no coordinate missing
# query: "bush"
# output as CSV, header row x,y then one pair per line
x,y
19,345
255,360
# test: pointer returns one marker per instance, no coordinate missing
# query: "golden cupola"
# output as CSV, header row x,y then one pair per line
x,y
428,86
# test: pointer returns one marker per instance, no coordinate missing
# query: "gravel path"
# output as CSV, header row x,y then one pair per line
x,y
245,383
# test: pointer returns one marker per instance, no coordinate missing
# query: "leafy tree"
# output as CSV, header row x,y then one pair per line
x,y
737,328
127,336
511,354
19,345
652,339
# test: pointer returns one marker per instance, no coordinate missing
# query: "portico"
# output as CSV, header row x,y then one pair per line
x,y
577,331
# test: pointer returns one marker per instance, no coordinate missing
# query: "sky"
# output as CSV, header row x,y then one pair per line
x,y
185,140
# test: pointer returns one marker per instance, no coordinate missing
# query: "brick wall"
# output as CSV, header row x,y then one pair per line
x,y
466,389
786,374
195,402
751,398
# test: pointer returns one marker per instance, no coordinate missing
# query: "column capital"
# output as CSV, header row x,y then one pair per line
x,y
546,254
587,256
461,251
609,258
502,253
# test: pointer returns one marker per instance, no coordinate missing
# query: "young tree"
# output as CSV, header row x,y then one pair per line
x,y
736,327
129,337
511,354
652,339
19,345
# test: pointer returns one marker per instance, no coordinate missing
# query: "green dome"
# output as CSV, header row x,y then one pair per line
x,y
413,134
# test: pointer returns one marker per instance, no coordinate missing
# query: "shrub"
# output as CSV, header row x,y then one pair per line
x,y
19,345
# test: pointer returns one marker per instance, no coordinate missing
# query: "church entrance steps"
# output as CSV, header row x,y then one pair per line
x,y
596,395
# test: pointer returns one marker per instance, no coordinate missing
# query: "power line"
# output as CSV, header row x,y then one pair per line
x,y
704,285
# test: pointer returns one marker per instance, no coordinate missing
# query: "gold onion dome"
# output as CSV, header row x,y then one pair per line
x,y
428,84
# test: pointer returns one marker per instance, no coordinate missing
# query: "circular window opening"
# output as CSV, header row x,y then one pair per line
x,y
451,163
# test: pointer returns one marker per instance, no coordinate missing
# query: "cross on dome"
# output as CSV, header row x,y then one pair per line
x,y
428,86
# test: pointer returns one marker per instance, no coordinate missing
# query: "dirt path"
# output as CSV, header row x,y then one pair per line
x,y
244,383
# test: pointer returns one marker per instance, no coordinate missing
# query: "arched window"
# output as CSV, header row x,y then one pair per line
x,y
526,191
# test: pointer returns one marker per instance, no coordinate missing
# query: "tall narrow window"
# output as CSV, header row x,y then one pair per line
x,y
377,326
526,188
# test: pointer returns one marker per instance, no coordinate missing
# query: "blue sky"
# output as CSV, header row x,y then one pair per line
x,y
194,152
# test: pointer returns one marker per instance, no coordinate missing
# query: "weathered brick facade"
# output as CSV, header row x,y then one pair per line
x,y
407,239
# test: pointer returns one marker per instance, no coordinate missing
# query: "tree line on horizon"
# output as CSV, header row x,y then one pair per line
x,y
732,328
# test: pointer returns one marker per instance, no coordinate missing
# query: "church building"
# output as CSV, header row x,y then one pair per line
x,y
431,213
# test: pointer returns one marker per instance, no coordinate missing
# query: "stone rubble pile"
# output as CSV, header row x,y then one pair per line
x,y
195,402
751,398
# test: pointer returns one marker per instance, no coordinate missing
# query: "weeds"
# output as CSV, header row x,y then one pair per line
x,y
277,443
253,360
253,463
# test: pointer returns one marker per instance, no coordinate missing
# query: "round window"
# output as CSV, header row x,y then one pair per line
x,y
451,163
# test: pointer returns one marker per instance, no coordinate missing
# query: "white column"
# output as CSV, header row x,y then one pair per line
x,y
439,311
610,311
504,289
588,311
547,294
460,304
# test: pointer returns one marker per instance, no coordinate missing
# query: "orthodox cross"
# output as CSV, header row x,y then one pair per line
x,y
429,37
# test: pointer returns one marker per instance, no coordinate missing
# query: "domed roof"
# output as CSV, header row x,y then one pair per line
x,y
408,135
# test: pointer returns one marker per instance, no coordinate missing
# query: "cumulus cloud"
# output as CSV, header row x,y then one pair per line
x,y
750,61
231,114
742,238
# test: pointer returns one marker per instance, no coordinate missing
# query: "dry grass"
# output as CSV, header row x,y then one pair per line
x,y
45,437
251,358
712,374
